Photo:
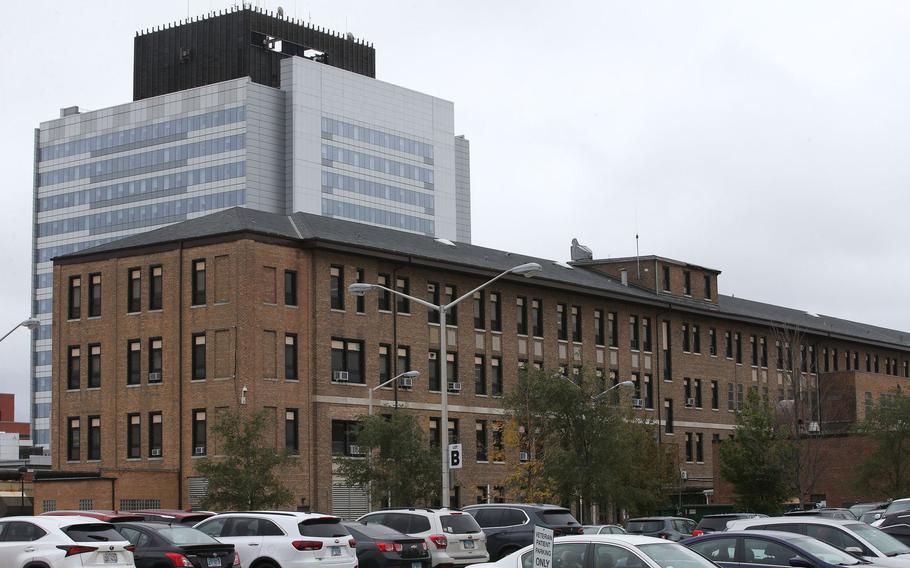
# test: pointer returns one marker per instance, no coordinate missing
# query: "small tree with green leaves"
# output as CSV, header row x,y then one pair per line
x,y
759,460
886,470
244,477
400,467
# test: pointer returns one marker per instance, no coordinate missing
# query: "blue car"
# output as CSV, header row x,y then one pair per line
x,y
762,549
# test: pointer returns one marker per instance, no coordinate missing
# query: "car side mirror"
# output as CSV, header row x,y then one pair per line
x,y
854,550
799,562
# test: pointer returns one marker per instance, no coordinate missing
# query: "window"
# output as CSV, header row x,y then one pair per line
x,y
344,438
94,295
576,323
290,288
290,357
347,361
156,439
433,298
666,270
73,440
451,313
451,368
73,367
689,447
763,342
133,436
739,397
731,401
134,290
495,312
649,393
687,346
480,376
753,344
403,361
360,301
728,345
481,439
780,356
385,363
697,393
94,366
497,442
696,340
496,378
199,432
715,396
198,282
712,342
562,332
94,437
699,447
384,298
198,356
836,362
156,287
403,285
453,430
537,318
646,334
599,330
336,287
155,360
291,431
666,348
633,333
613,329
75,298
668,412
479,314
707,286
133,362
434,432
687,389
739,347
687,283
433,371
521,315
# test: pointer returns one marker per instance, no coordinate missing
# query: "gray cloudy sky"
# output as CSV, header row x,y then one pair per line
x,y
765,139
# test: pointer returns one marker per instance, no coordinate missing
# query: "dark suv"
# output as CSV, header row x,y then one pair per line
x,y
670,528
510,526
717,523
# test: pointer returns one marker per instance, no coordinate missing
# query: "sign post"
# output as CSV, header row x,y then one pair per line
x,y
455,456
543,547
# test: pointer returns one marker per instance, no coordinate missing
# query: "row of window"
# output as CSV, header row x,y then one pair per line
x,y
687,282
375,137
378,164
376,216
332,181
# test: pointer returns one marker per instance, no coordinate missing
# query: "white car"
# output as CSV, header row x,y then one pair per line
x,y
608,551
278,539
62,542
855,537
453,537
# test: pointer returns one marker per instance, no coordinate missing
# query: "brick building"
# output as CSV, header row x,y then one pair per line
x,y
156,334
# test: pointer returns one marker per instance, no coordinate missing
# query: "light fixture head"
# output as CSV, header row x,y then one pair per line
x,y
360,288
527,269
31,323
626,384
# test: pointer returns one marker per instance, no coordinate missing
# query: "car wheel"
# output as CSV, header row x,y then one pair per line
x,y
265,564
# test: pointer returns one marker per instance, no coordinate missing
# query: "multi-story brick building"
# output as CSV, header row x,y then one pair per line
x,y
156,334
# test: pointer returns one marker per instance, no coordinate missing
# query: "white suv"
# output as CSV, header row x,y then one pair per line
x,y
62,542
277,539
453,537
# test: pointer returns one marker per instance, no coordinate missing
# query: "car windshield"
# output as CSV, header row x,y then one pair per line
x,y
672,555
459,524
644,526
186,535
826,552
897,507
714,523
884,542
591,529
558,517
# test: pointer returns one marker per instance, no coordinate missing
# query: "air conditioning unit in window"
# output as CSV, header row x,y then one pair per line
x,y
340,376
690,403
454,387
683,474
814,428
199,451
156,452
432,356
354,450
406,382
637,403
524,456
155,377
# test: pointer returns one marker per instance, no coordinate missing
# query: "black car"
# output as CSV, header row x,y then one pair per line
x,y
742,549
714,523
510,526
378,546
897,525
160,544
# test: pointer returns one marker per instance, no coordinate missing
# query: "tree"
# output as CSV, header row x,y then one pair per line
x,y
585,447
244,478
886,470
758,461
401,468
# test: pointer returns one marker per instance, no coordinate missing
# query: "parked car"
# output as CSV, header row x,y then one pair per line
x,y
378,546
669,528
900,532
870,517
157,544
510,526
608,551
174,516
854,537
452,537
273,539
603,529
861,509
58,541
897,506
827,512
742,549
712,523
107,516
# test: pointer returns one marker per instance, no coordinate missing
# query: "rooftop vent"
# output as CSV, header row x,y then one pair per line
x,y
579,251
69,111
445,242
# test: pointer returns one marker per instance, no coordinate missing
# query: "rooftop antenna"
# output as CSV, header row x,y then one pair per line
x,y
637,257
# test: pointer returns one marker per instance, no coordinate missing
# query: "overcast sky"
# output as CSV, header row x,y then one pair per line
x,y
769,140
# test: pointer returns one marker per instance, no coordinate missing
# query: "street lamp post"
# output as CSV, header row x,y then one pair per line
x,y
597,397
528,270
405,375
31,323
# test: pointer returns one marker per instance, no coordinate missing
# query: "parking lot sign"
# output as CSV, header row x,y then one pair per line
x,y
455,456
543,547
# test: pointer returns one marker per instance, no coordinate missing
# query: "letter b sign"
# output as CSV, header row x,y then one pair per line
x,y
454,456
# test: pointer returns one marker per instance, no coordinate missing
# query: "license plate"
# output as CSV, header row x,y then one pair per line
x,y
468,544
335,550
213,562
109,557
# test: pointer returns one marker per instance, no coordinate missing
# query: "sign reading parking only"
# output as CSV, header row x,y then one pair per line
x,y
543,547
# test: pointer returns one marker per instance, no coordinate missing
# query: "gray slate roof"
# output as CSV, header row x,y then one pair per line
x,y
317,228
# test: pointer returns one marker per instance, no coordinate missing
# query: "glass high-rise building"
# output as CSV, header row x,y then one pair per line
x,y
290,119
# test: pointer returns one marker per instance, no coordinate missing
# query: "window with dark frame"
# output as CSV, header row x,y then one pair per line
x,y
94,438
156,434
696,340
634,343
403,359
481,440
738,339
94,366
433,298
134,290
521,315
668,413
360,301
686,341
198,285
133,362
433,371
94,295
495,311
73,367
385,363
451,294
156,287
199,432
496,378
728,345
715,395
156,360
133,436
75,298
562,332
687,283
699,448
479,313
697,393
666,349
451,368
666,273
292,431
707,286
537,317
73,439
384,297
753,344
290,287
764,351
613,329
480,375
344,438
689,447
403,286
347,357
290,357
576,324
336,287
198,357
599,329
712,341
646,334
